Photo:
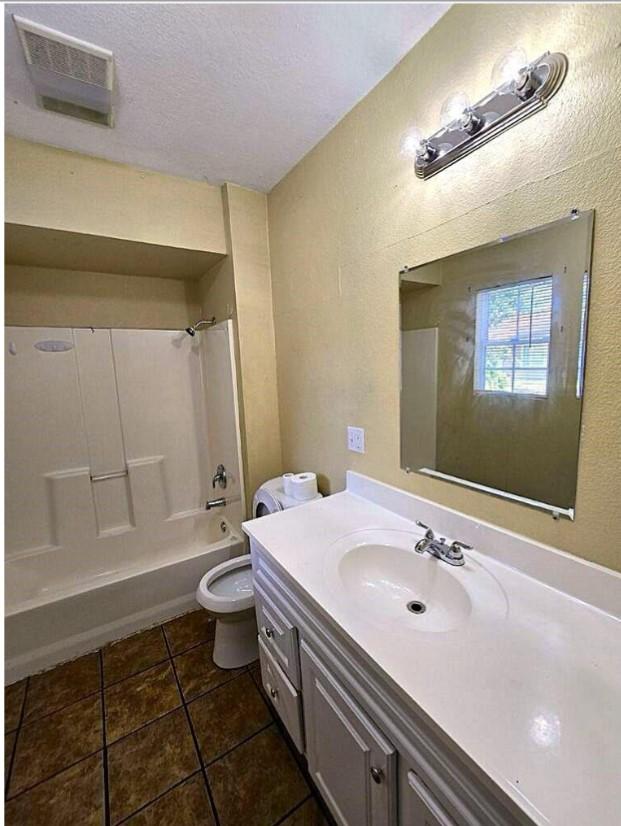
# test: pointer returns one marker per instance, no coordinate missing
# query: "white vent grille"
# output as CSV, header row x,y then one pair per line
x,y
51,51
66,60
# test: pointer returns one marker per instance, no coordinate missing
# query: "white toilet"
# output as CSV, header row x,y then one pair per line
x,y
227,591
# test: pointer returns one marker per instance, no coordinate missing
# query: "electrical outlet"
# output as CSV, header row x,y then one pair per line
x,y
355,439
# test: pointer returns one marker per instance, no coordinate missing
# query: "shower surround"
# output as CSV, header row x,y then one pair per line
x,y
112,437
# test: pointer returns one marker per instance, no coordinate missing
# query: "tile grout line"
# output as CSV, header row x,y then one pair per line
x,y
159,797
55,774
237,745
216,817
176,708
293,810
106,789
24,722
144,725
14,749
169,657
33,720
173,654
136,673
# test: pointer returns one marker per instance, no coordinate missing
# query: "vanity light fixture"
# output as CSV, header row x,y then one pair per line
x,y
520,90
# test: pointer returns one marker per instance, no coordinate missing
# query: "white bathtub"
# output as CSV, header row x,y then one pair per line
x,y
53,619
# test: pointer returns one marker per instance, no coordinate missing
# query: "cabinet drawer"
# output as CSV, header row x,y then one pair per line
x,y
283,695
278,634
421,807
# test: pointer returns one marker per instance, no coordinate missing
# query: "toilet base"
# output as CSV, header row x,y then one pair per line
x,y
236,643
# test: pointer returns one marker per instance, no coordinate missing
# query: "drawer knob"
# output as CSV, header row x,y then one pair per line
x,y
377,774
274,692
269,633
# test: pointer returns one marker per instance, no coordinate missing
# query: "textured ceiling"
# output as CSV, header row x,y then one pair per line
x,y
226,92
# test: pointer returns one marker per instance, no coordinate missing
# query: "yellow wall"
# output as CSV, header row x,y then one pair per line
x,y
246,221
240,287
35,296
48,187
352,213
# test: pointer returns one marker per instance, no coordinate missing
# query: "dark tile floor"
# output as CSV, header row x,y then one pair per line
x,y
148,731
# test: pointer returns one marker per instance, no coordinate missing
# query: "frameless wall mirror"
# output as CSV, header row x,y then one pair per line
x,y
493,344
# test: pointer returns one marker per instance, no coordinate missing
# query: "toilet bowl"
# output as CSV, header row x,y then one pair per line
x,y
226,592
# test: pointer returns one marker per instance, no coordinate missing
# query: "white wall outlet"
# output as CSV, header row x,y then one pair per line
x,y
355,439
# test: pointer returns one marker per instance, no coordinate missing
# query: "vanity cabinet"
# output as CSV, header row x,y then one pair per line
x,y
350,760
373,762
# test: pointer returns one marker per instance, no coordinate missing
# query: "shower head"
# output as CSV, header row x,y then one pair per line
x,y
191,331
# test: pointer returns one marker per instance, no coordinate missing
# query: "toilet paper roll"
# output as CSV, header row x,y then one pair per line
x,y
304,486
286,483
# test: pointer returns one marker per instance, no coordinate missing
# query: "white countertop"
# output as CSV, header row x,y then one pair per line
x,y
532,694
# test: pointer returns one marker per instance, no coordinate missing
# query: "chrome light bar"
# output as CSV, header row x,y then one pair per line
x,y
510,103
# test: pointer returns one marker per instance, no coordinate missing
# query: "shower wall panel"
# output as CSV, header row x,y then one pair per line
x,y
45,444
128,404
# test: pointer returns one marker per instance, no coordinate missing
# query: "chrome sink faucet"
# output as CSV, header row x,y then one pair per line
x,y
451,554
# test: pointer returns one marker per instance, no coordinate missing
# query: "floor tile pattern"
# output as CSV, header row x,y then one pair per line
x,y
148,731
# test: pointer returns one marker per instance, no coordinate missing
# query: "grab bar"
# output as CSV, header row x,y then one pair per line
x,y
117,474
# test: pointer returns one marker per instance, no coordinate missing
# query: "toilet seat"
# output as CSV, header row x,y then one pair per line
x,y
227,588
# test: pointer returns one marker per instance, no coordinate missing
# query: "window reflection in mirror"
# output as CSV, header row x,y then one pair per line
x,y
493,344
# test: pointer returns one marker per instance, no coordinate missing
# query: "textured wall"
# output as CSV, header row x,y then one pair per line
x,y
48,187
246,213
36,296
352,213
240,286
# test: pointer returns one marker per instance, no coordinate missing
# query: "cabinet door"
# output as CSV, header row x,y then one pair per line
x,y
350,760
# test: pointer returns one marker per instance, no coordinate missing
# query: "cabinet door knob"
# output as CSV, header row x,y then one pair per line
x,y
269,633
274,692
377,774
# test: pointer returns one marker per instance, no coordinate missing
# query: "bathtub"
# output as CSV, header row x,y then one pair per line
x,y
53,619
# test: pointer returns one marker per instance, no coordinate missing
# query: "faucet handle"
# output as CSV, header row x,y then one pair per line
x,y
219,477
430,534
422,544
457,547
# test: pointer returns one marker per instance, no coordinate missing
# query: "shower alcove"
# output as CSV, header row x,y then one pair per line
x,y
113,433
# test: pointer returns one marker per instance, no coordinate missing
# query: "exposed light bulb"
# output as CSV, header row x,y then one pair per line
x,y
412,143
453,108
509,67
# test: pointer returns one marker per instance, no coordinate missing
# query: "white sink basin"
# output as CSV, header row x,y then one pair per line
x,y
379,572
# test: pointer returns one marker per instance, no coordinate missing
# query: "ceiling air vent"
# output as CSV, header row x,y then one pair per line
x,y
70,76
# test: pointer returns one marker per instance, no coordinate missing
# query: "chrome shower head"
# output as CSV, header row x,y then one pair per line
x,y
191,331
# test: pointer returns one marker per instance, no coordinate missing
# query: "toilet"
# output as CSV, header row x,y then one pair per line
x,y
226,590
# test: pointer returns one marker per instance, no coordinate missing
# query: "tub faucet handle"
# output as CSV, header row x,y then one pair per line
x,y
219,477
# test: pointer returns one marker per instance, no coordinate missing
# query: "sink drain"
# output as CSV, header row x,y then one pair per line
x,y
416,607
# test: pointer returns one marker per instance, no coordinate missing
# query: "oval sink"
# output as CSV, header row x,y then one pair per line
x,y
381,574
